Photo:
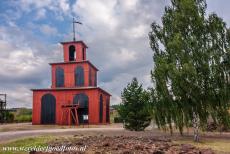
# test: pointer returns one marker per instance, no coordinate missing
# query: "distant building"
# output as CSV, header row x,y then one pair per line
x,y
74,97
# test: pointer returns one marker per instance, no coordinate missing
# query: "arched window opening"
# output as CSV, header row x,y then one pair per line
x,y
95,78
48,109
72,53
83,53
90,77
83,101
101,109
59,75
107,111
79,76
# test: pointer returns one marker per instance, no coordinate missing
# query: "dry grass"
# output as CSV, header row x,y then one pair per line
x,y
218,145
214,140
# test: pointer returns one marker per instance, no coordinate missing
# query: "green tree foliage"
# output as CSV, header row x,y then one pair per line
x,y
6,117
9,117
191,66
134,107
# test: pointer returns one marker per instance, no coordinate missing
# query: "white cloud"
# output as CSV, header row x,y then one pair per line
x,y
41,7
97,12
137,32
22,66
130,4
27,5
64,5
48,30
5,47
41,13
121,58
116,32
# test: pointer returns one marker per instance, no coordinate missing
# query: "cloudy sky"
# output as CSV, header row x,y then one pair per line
x,y
116,32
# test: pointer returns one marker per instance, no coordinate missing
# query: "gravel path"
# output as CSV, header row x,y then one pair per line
x,y
14,135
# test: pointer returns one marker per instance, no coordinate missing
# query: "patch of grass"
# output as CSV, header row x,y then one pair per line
x,y
23,115
23,118
40,141
218,145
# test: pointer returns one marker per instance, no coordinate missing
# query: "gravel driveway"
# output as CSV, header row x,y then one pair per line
x,y
14,135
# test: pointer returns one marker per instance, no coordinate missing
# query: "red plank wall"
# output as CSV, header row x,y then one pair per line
x,y
67,97
69,70
78,49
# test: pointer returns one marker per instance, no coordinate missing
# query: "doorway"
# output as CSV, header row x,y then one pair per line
x,y
83,110
48,109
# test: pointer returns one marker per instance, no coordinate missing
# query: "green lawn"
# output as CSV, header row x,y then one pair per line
x,y
27,142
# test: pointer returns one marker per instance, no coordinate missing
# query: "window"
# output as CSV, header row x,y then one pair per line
x,y
90,77
95,78
81,99
83,53
107,110
59,75
72,54
101,109
79,76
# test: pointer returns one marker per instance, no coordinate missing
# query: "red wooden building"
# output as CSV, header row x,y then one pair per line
x,y
74,97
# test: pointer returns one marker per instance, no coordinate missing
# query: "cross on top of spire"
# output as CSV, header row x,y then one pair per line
x,y
75,22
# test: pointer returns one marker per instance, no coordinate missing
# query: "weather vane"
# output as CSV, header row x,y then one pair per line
x,y
75,22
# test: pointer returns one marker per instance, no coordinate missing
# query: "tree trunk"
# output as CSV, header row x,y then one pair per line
x,y
196,123
171,129
181,130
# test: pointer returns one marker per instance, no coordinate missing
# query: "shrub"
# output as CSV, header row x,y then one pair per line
x,y
134,107
117,120
23,118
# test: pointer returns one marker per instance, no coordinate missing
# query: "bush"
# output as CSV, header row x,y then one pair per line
x,y
211,126
9,117
134,109
23,118
118,120
23,115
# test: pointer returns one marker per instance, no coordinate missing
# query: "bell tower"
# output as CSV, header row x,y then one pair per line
x,y
74,51
74,97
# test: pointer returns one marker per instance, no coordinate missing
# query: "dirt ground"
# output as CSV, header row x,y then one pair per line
x,y
124,142
114,139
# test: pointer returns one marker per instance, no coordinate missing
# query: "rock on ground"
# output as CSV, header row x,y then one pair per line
x,y
124,145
